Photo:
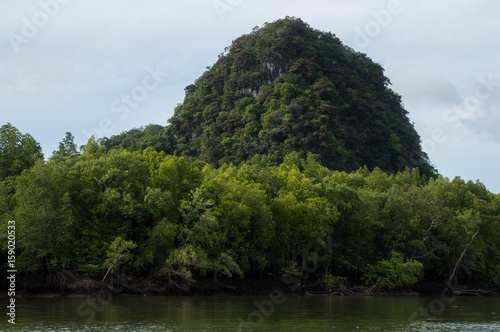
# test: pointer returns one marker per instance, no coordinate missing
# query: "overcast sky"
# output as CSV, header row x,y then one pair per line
x,y
103,67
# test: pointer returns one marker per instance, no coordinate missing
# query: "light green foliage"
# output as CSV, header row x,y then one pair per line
x,y
92,149
160,242
119,253
333,281
216,229
182,218
173,174
187,259
395,272
225,265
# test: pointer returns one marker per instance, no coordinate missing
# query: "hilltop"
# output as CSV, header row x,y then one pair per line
x,y
287,87
246,190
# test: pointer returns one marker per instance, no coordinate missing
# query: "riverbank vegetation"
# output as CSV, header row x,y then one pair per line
x,y
290,160
169,220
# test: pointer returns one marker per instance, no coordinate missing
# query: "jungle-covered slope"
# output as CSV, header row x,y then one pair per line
x,y
287,87
163,207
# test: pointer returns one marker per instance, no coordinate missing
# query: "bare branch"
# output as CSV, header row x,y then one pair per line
x,y
454,272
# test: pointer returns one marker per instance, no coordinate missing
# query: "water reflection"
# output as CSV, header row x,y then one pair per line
x,y
255,313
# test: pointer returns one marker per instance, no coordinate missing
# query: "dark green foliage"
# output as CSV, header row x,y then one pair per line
x,y
17,151
67,148
137,139
287,87
190,219
45,211
231,187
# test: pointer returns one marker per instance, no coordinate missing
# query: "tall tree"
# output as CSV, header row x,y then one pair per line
x,y
44,218
17,151
67,148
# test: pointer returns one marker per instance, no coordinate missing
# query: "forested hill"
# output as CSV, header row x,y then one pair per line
x,y
281,104
287,87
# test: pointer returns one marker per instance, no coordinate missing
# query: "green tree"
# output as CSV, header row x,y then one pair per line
x,y
119,253
67,148
287,87
203,240
395,272
44,218
110,200
17,151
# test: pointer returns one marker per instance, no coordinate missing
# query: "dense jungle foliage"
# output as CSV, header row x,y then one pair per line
x,y
290,157
149,213
283,88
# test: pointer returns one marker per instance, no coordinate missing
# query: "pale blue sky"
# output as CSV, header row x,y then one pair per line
x,y
103,67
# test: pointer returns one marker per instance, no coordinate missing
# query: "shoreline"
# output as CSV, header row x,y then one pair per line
x,y
85,287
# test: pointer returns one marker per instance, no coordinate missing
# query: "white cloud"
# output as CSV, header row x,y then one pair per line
x,y
419,86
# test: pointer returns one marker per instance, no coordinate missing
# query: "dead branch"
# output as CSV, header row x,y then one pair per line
x,y
454,272
430,253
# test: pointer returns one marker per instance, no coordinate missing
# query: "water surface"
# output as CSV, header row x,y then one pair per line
x,y
265,313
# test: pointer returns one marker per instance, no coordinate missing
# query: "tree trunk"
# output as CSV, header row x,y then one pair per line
x,y
454,272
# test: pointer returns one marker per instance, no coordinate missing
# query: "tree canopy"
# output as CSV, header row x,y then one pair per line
x,y
153,214
290,151
17,151
287,87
